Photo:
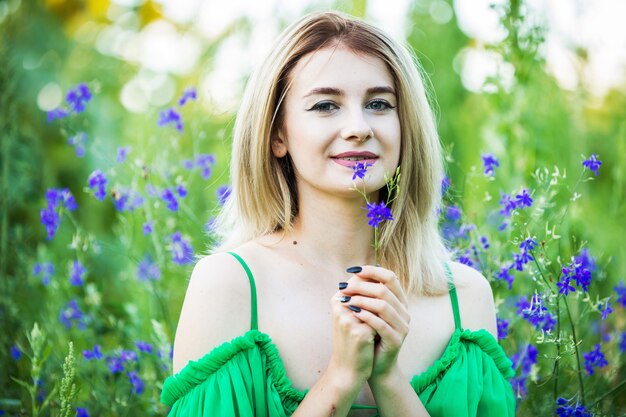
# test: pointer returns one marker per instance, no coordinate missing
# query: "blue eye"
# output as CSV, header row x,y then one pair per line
x,y
379,105
324,106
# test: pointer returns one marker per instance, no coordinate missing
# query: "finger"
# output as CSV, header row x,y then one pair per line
x,y
382,309
382,328
383,276
356,286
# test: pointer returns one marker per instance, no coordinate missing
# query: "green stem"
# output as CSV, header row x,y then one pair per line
x,y
617,388
558,348
376,246
580,376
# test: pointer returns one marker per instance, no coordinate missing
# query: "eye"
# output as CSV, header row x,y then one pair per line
x,y
324,107
379,105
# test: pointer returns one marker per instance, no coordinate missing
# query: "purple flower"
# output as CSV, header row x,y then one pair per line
x,y
378,213
579,270
523,361
189,94
76,273
188,164
606,310
170,198
16,353
489,162
77,97
122,152
505,275
485,242
127,200
535,312
182,252
115,364
508,205
223,192
528,245
453,213
81,412
97,182
620,289
136,382
58,113
171,116
622,342
181,191
564,285
144,346
523,199
94,354
205,162
593,163
594,359
466,259
71,314
147,228
503,328
565,410
45,270
78,142
148,270
51,220
360,168
445,184
128,356
50,216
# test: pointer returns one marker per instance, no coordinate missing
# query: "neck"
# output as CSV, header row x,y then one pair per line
x,y
333,231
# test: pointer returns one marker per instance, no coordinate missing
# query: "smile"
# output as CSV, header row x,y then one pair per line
x,y
348,159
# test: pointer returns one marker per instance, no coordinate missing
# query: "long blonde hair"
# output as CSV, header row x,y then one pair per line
x,y
264,195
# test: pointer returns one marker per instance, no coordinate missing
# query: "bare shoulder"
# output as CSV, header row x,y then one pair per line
x,y
214,310
475,296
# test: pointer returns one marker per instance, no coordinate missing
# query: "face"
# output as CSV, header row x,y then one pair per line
x,y
341,108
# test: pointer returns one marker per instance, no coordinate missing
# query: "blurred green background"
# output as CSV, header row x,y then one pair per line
x,y
138,57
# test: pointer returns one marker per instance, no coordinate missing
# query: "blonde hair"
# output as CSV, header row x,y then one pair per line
x,y
264,195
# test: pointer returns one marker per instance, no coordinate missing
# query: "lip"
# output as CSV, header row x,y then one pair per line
x,y
367,157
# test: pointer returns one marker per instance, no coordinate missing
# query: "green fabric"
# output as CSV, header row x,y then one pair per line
x,y
246,377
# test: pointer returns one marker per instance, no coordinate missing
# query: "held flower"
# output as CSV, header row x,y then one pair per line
x,y
377,213
360,169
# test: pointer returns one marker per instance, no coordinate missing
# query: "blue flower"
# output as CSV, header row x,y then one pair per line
x,y
126,200
181,191
223,192
445,184
128,356
136,382
182,252
45,270
360,168
505,275
170,198
144,346
523,361
171,116
58,113
16,353
485,242
78,142
593,163
565,410
508,205
147,228
115,364
606,310
148,270
528,244
594,359
466,259
77,97
50,216
94,354
503,328
97,183
122,152
620,289
81,412
453,213
622,342
205,162
378,213
76,274
51,220
523,199
564,285
189,94
489,162
71,314
535,312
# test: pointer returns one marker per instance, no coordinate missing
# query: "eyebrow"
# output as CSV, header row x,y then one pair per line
x,y
331,91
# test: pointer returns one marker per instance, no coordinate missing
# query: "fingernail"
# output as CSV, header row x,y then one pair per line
x,y
354,308
354,270
343,285
344,298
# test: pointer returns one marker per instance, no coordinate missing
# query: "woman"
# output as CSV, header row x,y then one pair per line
x,y
297,264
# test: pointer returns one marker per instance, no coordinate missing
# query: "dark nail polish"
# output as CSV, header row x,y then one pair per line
x,y
343,285
344,298
354,270
354,308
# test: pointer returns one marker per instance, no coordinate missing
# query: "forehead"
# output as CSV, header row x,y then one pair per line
x,y
339,67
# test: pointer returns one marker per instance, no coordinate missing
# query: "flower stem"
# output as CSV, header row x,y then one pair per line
x,y
580,377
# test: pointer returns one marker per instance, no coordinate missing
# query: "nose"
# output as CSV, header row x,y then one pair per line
x,y
356,127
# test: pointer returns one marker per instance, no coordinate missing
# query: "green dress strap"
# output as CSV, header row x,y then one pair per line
x,y
453,298
254,321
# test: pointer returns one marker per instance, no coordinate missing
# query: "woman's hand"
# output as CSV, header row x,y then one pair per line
x,y
353,346
383,303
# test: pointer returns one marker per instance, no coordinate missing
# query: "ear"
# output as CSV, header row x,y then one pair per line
x,y
279,145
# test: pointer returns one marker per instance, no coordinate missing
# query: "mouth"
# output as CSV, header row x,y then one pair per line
x,y
349,159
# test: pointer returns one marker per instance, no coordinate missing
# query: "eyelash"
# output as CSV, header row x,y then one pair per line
x,y
318,106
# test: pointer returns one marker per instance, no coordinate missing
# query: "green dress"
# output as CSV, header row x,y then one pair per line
x,y
246,377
